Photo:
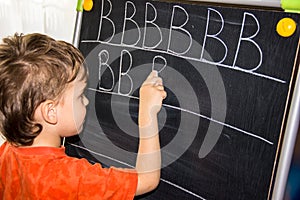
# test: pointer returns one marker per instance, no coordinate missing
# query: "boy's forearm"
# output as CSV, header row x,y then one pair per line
x,y
149,146
148,161
149,157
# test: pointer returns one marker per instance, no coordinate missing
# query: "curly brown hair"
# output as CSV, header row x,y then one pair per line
x,y
33,68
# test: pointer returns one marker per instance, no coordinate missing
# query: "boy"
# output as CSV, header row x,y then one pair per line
x,y
41,100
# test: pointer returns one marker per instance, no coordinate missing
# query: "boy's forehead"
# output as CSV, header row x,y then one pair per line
x,y
79,83
82,74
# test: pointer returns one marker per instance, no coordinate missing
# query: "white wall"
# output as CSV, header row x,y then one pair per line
x,y
52,17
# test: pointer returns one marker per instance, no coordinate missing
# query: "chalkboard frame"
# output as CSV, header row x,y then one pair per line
x,y
290,134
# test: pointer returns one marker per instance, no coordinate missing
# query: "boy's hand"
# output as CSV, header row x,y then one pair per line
x,y
152,93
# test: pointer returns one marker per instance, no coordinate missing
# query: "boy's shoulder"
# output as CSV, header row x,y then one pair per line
x,y
77,176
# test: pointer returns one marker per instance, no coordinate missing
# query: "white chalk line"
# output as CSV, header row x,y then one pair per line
x,y
236,68
102,155
128,165
194,113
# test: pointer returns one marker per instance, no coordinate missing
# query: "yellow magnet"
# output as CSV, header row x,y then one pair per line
x,y
286,27
87,5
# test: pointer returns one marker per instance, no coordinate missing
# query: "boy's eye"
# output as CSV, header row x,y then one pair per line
x,y
82,96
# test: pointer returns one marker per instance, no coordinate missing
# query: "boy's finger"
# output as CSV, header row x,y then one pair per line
x,y
164,94
153,74
160,87
158,81
154,81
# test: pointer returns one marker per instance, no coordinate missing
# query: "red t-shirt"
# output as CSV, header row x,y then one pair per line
x,y
48,173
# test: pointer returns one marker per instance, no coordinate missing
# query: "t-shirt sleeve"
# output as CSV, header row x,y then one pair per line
x,y
107,183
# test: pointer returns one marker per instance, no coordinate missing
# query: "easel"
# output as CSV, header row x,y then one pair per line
x,y
293,118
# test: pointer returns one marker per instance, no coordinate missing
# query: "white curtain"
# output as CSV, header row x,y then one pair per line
x,y
53,17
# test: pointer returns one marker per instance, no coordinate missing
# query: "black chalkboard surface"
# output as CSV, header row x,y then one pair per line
x,y
228,75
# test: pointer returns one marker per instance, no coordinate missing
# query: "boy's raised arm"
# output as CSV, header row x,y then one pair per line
x,y
148,161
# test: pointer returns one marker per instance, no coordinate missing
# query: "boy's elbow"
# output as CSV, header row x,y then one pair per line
x,y
147,183
151,185
154,183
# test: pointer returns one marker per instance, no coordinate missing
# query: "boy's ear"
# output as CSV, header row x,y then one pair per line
x,y
49,111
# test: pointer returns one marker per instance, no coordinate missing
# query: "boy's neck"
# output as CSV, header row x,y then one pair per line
x,y
47,141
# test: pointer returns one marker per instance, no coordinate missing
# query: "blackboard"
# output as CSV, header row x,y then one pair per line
x,y
228,75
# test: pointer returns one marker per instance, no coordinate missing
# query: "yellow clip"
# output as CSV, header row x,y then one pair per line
x,y
286,27
88,5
